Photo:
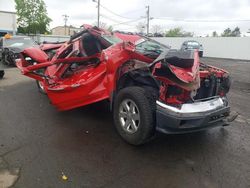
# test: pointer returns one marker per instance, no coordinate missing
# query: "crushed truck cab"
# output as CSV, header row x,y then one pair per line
x,y
150,86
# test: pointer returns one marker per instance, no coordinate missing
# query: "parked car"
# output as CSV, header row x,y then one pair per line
x,y
192,45
150,35
149,86
11,46
158,35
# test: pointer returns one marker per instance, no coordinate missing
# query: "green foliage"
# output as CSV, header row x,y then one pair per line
x,y
110,28
227,33
236,32
32,16
231,33
178,32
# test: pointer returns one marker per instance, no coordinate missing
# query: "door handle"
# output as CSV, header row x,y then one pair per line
x,y
60,89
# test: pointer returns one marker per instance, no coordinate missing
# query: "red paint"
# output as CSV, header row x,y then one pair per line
x,y
127,37
50,46
36,54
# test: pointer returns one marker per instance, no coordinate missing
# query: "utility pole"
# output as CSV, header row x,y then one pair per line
x,y
148,18
65,22
98,12
147,7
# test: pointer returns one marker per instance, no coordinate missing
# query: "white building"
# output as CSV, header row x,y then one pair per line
x,y
7,22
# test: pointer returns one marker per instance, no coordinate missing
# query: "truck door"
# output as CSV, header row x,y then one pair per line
x,y
81,83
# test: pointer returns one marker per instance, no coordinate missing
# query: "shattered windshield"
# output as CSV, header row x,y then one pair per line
x,y
150,47
112,39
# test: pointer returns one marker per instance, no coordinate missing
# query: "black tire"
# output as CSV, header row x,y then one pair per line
x,y
3,60
146,109
40,89
1,74
7,60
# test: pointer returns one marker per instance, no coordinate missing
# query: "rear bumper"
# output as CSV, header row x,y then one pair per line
x,y
192,117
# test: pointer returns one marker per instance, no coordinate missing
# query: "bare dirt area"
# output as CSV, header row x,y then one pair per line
x,y
38,144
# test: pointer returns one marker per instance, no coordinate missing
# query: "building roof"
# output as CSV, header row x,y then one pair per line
x,y
8,12
66,26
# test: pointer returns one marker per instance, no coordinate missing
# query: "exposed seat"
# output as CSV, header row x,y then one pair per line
x,y
90,44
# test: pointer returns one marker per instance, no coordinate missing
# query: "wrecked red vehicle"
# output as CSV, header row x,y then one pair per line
x,y
150,87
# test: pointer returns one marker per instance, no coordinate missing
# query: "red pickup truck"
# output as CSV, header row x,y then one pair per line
x,y
150,87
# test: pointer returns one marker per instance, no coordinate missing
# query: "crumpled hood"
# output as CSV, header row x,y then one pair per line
x,y
183,69
36,54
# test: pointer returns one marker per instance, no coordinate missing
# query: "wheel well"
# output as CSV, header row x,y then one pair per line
x,y
140,78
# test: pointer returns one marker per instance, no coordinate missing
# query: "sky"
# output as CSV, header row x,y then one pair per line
x,y
199,16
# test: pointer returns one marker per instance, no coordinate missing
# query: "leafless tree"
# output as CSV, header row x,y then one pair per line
x,y
140,27
104,25
156,28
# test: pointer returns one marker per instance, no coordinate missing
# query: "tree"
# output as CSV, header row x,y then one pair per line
x,y
215,34
236,32
226,33
188,34
140,27
231,33
110,28
32,16
178,32
156,29
104,25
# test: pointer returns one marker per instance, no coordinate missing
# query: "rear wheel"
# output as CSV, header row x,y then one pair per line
x,y
134,115
8,59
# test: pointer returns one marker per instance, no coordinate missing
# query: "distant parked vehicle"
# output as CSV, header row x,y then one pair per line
x,y
192,45
150,35
11,46
158,35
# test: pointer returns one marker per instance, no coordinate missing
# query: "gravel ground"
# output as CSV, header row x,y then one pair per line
x,y
38,144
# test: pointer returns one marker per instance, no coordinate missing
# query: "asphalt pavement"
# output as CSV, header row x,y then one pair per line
x,y
41,147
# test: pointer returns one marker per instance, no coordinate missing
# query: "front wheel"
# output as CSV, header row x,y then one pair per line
x,y
134,115
40,86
